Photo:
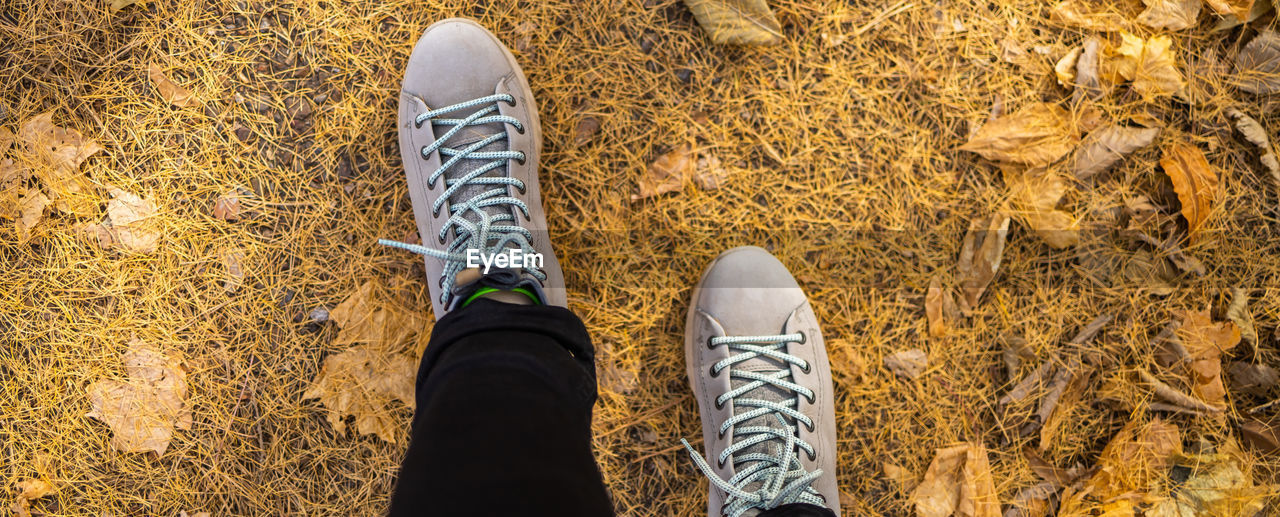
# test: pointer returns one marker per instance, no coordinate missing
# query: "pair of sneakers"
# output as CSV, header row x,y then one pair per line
x,y
470,142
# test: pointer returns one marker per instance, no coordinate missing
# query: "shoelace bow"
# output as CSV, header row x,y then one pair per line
x,y
486,232
781,476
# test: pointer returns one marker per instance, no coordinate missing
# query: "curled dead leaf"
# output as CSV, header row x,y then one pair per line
x,y
747,22
1107,146
1205,341
29,491
1086,14
1193,180
143,410
980,257
1238,8
130,223
1256,135
1258,64
31,210
1036,135
1035,196
939,308
1065,69
58,154
227,206
169,90
367,318
908,363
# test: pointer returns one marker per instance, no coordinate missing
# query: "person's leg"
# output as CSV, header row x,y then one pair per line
x,y
503,421
506,385
761,378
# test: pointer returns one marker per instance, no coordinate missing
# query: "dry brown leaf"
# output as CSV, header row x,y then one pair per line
x,y
1205,342
169,90
1065,69
1088,15
31,209
1256,135
939,308
1238,313
908,363
1256,379
958,483
365,318
1170,14
362,382
233,263
1217,486
1134,462
117,5
143,410
1194,181
1067,401
1149,64
1038,134
1035,196
227,206
1107,146
1088,82
1238,8
1261,435
6,141
59,153
587,128
668,173
980,258
1258,64
746,22
1260,7
29,491
130,223
709,175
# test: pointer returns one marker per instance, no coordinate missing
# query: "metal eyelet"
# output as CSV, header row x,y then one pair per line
x,y
520,129
811,399
441,281
440,238
714,372
809,425
813,456
803,339
719,405
720,463
710,346
807,367
416,124
512,102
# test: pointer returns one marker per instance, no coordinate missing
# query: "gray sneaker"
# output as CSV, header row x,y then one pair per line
x,y
760,374
470,142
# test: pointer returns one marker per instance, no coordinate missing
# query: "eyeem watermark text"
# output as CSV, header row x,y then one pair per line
x,y
507,258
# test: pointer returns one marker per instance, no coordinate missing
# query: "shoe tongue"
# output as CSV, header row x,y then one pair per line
x,y
463,138
768,392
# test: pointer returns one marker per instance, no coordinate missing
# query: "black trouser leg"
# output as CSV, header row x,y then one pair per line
x,y
503,420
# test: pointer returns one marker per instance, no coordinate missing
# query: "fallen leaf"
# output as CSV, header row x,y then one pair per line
x,y
1012,52
668,173
1135,460
366,318
227,206
1035,196
1216,486
1038,134
129,223
1170,14
1229,21
117,5
58,152
1148,64
939,308
233,263
958,483
587,128
1087,80
1258,64
362,382
1238,8
908,363
1205,342
1256,379
1065,69
29,491
1238,313
1256,135
1055,413
708,174
1193,180
1088,15
1261,435
6,141
143,410
980,257
31,207
746,22
170,91
1102,148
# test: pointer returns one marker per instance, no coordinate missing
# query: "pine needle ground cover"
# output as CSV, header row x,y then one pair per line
x,y
191,193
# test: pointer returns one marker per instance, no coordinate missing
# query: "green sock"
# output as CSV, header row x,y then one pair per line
x,y
486,290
